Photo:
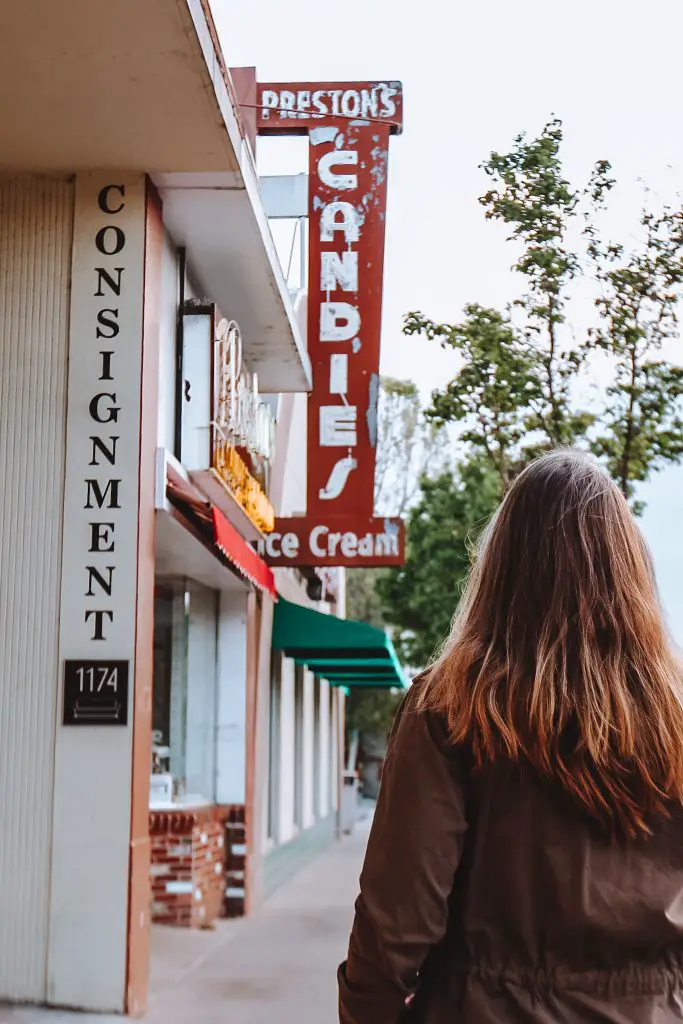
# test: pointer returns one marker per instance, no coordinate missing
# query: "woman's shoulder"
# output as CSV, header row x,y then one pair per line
x,y
417,717
414,698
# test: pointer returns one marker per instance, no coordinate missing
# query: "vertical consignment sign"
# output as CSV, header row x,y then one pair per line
x,y
348,126
91,848
99,579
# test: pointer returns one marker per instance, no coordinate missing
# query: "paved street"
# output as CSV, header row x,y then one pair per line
x,y
277,966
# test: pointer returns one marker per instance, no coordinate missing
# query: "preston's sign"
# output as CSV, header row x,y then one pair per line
x,y
294,108
349,126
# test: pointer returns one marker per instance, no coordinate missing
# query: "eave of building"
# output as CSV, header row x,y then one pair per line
x,y
143,87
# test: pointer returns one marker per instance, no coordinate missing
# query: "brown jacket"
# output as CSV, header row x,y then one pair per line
x,y
498,903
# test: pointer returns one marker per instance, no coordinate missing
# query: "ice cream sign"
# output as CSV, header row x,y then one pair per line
x,y
349,126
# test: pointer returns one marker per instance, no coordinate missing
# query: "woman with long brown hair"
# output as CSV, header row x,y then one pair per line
x,y
526,858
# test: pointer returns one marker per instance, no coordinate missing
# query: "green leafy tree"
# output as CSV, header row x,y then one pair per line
x,y
500,381
363,602
532,197
421,596
640,427
518,392
409,447
371,712
520,389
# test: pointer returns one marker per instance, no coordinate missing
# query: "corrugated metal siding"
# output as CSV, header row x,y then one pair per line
x,y
36,217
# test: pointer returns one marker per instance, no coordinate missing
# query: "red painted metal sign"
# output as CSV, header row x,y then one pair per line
x,y
348,183
356,543
293,109
349,127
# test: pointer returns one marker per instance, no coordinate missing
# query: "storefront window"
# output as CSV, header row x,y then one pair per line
x,y
184,709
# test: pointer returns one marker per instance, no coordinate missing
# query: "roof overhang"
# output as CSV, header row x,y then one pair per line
x,y
231,251
210,483
143,87
180,553
195,539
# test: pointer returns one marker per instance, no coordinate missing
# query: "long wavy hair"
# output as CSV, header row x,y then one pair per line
x,y
559,656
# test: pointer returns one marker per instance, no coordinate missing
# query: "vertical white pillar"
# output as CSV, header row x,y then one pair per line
x,y
91,841
309,764
202,694
287,751
334,751
261,770
324,776
231,731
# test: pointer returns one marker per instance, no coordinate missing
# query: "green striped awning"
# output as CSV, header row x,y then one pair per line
x,y
345,652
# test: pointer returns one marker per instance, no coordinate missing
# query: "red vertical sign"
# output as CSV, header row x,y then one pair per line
x,y
348,186
349,126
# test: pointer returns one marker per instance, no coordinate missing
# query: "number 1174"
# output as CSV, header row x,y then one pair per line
x,y
95,680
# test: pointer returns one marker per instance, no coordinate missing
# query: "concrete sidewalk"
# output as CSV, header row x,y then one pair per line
x,y
279,965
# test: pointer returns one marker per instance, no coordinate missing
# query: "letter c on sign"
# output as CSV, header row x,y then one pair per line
x,y
273,545
345,182
103,198
317,533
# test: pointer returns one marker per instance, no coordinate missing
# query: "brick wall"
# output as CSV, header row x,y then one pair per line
x,y
235,861
188,867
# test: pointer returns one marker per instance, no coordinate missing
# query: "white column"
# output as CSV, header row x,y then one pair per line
x,y
287,752
202,695
91,839
179,664
335,751
264,766
309,765
324,774
231,732
261,769
167,348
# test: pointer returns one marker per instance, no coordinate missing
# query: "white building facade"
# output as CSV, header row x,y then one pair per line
x,y
136,615
171,708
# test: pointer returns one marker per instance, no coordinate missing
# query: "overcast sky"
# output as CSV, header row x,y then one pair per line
x,y
474,75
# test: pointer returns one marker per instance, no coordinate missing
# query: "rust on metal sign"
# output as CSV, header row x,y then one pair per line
x,y
348,125
294,108
348,187
355,543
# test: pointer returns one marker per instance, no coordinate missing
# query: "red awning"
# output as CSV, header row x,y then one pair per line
x,y
243,557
